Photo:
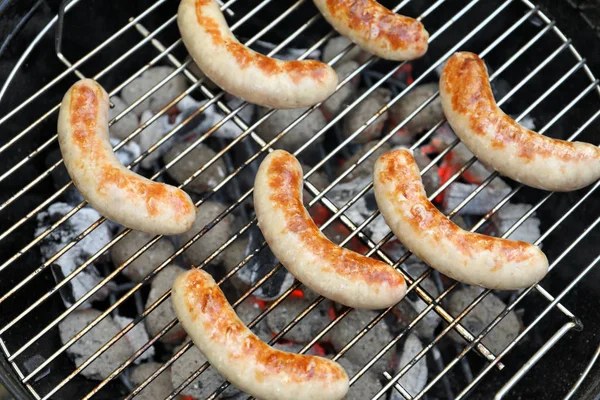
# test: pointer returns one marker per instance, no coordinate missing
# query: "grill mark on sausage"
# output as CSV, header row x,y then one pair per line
x,y
84,107
378,22
400,172
285,182
465,78
206,302
297,70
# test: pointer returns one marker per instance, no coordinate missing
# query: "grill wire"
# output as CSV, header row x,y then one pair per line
x,y
165,56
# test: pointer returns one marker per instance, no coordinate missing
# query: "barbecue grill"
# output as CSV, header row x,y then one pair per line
x,y
538,74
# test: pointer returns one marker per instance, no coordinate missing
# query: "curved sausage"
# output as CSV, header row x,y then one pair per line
x,y
243,72
240,356
499,141
376,29
467,257
114,191
330,270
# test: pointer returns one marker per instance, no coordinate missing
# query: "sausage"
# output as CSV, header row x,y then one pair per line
x,y
330,270
243,72
376,29
240,356
467,257
114,191
500,142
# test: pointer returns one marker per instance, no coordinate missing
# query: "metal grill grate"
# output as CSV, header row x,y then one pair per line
x,y
528,15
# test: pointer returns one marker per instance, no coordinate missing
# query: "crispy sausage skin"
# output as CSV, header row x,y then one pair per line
x,y
113,190
240,356
467,257
330,270
244,73
376,29
499,141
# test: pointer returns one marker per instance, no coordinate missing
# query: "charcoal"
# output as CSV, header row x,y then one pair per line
x,y
362,208
159,388
147,261
426,118
318,178
412,305
159,99
369,345
415,379
366,386
363,112
191,162
78,254
481,316
137,337
127,153
481,204
290,308
206,383
127,124
365,169
431,179
247,311
299,134
162,315
150,135
344,95
211,240
80,351
509,214
259,266
335,46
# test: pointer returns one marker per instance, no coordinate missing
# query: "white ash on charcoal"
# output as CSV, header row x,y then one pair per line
x,y
137,337
481,316
509,214
485,199
235,253
362,208
159,99
127,153
412,305
300,134
89,343
415,379
335,46
288,53
421,122
78,254
209,117
247,311
145,262
344,95
366,386
159,388
357,117
259,266
368,345
191,162
212,239
291,307
365,169
431,179
150,135
162,315
206,383
127,124
318,178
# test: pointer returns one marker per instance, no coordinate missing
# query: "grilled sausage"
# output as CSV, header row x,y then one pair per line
x,y
330,270
243,72
376,29
113,190
464,256
240,356
500,142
